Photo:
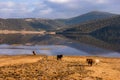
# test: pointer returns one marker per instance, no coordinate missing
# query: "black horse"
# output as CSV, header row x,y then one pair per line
x,y
59,57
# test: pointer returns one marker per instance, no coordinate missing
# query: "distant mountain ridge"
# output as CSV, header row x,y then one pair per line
x,y
50,24
95,25
87,17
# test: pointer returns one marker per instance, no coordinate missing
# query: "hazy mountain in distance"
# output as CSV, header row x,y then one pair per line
x,y
86,17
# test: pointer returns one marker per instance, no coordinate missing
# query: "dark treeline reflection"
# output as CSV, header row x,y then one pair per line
x,y
101,41
31,39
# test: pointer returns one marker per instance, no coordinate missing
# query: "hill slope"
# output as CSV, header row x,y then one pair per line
x,y
14,24
87,17
112,23
29,24
45,24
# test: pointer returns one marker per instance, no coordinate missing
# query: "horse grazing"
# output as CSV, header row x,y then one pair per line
x,y
90,62
59,57
34,53
97,61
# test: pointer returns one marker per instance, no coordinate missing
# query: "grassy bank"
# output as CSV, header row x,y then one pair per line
x,y
28,67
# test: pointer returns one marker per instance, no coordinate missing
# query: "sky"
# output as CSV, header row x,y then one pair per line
x,y
53,9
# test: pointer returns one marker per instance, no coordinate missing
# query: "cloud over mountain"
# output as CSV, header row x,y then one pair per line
x,y
54,8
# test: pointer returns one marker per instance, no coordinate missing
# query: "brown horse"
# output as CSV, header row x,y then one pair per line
x,y
90,62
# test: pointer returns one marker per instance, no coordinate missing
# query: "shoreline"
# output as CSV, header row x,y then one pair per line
x,y
21,32
63,55
43,32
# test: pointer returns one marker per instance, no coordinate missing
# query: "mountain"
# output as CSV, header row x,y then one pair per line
x,y
29,24
45,24
108,24
14,24
86,17
50,24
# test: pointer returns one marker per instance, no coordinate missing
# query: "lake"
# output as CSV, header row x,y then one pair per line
x,y
83,45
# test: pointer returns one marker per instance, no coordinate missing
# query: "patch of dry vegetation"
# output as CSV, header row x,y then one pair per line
x,y
69,68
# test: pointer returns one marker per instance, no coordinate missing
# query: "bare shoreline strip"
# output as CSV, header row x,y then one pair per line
x,y
21,32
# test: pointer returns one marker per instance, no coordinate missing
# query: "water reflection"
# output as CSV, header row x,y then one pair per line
x,y
104,42
56,44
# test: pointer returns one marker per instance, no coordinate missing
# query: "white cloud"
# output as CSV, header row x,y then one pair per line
x,y
46,11
102,1
5,10
6,4
59,1
14,9
54,8
98,1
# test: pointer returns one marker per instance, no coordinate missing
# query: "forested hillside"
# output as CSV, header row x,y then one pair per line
x,y
14,24
111,25
93,15
29,24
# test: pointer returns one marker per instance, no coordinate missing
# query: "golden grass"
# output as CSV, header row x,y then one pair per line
x,y
69,68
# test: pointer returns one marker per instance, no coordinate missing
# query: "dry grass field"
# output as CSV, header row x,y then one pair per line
x,y
39,67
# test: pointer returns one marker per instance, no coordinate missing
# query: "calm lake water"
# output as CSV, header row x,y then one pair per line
x,y
83,45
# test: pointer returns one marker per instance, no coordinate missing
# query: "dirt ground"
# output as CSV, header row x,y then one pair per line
x,y
41,67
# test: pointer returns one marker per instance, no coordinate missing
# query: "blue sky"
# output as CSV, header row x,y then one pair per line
x,y
54,8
